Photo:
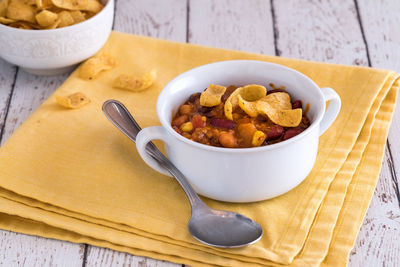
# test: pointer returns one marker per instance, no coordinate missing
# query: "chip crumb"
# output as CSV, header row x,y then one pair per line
x,y
73,101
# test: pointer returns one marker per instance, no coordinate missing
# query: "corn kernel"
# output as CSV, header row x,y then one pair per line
x,y
258,138
187,126
204,118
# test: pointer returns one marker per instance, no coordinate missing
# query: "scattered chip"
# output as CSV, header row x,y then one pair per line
x,y
73,101
134,83
20,11
93,66
46,18
212,95
47,14
250,92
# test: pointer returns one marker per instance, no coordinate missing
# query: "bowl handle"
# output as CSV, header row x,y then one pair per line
x,y
333,109
143,138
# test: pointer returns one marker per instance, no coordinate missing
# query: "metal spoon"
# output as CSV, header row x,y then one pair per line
x,y
216,228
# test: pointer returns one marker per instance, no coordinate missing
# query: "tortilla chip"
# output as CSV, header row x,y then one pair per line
x,y
77,16
65,19
71,4
285,118
46,18
93,6
20,11
3,8
93,66
278,100
250,92
212,95
134,83
250,107
73,101
6,21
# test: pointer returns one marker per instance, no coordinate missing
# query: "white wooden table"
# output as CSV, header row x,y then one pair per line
x,y
355,32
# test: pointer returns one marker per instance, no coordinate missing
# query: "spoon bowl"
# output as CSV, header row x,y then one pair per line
x,y
216,228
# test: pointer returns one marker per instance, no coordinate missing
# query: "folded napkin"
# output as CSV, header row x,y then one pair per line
x,y
71,175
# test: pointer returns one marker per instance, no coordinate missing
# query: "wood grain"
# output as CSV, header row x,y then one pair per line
x,y
97,257
378,241
29,93
7,79
232,24
381,20
31,251
330,31
325,31
159,19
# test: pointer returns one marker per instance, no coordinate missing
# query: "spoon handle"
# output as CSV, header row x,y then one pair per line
x,y
119,115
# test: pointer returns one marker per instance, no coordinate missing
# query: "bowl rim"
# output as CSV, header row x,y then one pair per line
x,y
303,134
67,28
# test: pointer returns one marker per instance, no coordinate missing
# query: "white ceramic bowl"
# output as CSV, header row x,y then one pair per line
x,y
50,52
244,174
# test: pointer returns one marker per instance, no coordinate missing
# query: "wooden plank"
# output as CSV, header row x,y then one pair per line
x,y
31,251
380,21
232,24
378,241
325,31
7,79
29,93
161,19
329,31
101,257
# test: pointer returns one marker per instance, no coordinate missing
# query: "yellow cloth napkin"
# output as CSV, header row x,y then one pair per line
x,y
71,175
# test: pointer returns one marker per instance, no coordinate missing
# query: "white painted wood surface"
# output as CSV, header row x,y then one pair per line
x,y
329,31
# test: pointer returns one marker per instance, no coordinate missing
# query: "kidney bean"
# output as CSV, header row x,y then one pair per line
x,y
180,120
222,123
291,133
204,110
198,121
275,91
274,132
193,97
296,104
227,140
